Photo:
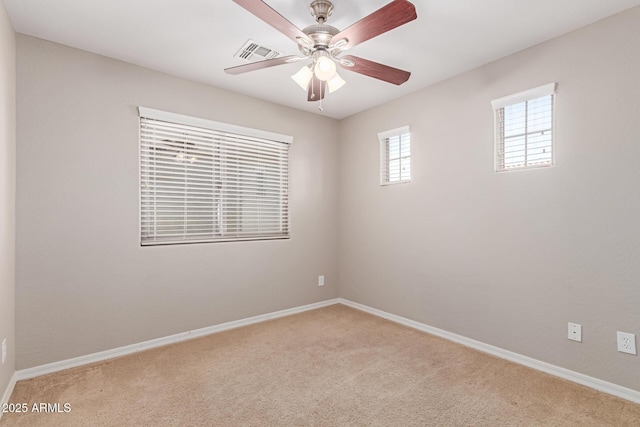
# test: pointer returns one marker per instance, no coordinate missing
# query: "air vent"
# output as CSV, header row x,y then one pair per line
x,y
253,51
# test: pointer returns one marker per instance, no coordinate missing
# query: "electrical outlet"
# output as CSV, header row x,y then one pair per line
x,y
320,280
626,343
4,350
575,332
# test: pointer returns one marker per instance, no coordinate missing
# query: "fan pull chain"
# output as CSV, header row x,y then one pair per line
x,y
323,92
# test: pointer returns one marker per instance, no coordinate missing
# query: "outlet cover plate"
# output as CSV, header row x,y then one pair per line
x,y
320,280
626,343
575,332
4,350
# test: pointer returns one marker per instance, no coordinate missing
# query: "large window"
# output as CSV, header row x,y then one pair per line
x,y
524,129
203,181
395,156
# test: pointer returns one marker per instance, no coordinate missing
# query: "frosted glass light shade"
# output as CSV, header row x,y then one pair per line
x,y
303,77
325,68
335,83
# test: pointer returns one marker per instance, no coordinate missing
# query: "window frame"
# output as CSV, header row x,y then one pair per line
x,y
218,224
383,138
518,98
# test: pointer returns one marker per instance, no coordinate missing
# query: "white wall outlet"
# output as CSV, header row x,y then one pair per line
x,y
575,332
626,343
4,350
320,280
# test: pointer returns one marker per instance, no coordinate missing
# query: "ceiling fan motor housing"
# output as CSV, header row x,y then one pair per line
x,y
321,10
321,35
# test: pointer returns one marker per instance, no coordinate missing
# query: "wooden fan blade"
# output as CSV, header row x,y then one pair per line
x,y
376,70
273,18
391,16
317,90
262,64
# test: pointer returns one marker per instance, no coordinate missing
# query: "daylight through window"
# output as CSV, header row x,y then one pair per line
x,y
395,156
524,129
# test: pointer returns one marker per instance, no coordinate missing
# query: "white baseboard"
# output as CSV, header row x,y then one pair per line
x,y
576,377
7,393
147,345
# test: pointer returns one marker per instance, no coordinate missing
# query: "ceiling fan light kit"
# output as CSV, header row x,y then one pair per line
x,y
325,68
324,44
303,77
335,83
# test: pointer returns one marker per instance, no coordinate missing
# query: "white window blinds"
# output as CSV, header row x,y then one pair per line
x,y
395,156
524,129
203,181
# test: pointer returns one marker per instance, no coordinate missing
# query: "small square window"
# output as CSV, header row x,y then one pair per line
x,y
395,156
524,129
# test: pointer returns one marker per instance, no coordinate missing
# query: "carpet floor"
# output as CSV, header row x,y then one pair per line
x,y
334,366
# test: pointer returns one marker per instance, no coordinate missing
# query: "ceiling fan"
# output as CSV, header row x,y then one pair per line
x,y
324,44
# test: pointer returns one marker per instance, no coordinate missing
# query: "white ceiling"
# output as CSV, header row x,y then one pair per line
x,y
197,39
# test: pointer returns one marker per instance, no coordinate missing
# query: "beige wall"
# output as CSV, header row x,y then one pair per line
x,y
84,284
7,193
508,259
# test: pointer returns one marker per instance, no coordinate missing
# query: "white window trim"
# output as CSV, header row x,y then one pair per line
x,y
525,95
393,132
382,136
210,124
154,114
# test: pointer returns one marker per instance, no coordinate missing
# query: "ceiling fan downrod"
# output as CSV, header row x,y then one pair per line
x,y
321,10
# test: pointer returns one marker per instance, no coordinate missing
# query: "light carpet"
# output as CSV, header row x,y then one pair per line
x,y
335,366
